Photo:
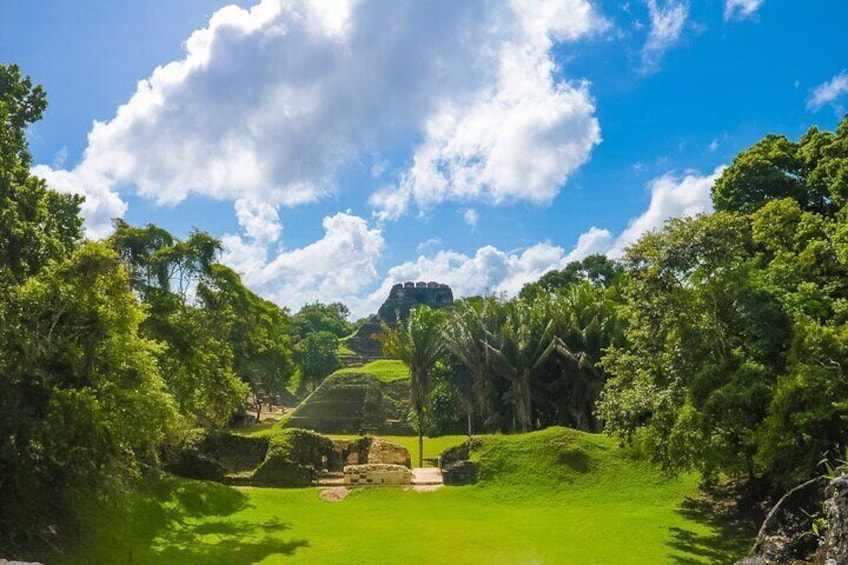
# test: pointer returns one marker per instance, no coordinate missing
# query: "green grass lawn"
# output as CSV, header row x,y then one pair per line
x,y
386,370
551,497
256,429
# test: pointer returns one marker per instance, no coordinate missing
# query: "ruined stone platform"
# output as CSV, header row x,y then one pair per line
x,y
377,474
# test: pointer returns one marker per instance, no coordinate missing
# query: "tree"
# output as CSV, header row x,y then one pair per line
x,y
705,343
258,333
526,342
597,270
418,343
316,358
813,172
320,317
83,402
36,224
194,313
769,170
472,325
587,324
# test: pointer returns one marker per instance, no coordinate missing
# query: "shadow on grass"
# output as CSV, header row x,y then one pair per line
x,y
730,539
171,520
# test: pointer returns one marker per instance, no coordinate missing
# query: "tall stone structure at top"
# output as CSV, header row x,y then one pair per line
x,y
402,299
405,296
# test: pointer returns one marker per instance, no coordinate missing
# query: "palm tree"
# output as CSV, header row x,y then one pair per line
x,y
527,340
418,343
587,322
472,326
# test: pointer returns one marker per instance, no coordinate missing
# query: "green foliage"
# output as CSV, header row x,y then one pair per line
x,y
258,334
534,362
221,341
737,339
36,224
316,358
418,343
82,399
704,346
596,270
813,172
319,317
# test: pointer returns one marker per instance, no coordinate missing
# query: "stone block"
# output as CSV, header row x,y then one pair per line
x,y
383,451
377,474
460,473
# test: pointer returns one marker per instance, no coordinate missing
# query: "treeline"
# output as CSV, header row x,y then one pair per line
x,y
718,343
111,350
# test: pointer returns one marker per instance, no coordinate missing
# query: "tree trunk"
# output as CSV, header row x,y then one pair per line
x,y
420,440
469,422
522,401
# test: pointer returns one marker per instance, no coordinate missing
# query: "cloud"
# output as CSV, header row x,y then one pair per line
x,y
268,105
741,9
260,220
429,245
343,264
471,217
101,204
828,92
595,241
489,270
667,22
338,267
672,196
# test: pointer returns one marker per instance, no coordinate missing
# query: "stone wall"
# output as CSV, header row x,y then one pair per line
x,y
377,474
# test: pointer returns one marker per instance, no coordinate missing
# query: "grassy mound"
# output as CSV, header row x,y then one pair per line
x,y
373,399
555,496
387,370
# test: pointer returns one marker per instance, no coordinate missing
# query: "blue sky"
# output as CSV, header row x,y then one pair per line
x,y
337,147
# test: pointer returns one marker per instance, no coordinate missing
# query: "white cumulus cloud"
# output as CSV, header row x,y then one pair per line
x,y
102,203
343,265
741,9
268,104
667,22
829,92
672,196
489,270
260,220
340,266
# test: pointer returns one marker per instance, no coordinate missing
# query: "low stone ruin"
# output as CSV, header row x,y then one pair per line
x,y
377,474
382,451
460,473
456,464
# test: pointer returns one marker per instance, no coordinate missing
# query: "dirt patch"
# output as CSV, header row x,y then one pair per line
x,y
425,488
334,494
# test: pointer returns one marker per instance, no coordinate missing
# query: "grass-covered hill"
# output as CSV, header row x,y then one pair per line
x,y
550,497
372,398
